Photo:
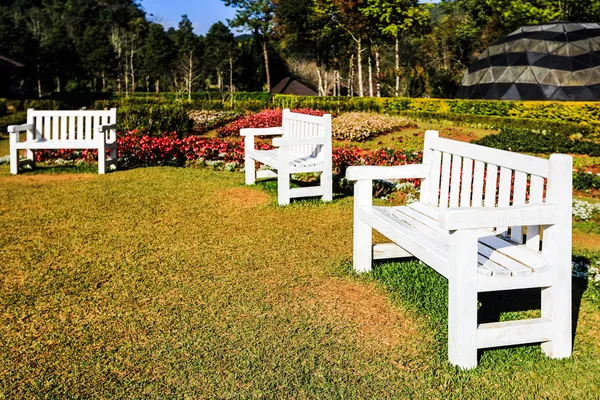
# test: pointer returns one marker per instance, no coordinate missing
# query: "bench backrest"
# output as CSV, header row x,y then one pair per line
x,y
303,126
468,175
72,125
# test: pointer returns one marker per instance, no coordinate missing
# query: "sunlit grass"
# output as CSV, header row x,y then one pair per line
x,y
167,282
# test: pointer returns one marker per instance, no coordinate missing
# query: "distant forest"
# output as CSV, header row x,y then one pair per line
x,y
337,47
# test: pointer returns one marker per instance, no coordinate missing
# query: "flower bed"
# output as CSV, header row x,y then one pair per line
x,y
263,119
137,149
359,126
206,120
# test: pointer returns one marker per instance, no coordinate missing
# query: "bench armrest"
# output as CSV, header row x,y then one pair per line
x,y
479,218
107,127
20,128
282,141
368,172
261,131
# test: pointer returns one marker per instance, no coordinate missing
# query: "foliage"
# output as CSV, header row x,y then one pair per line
x,y
12,119
527,141
155,118
263,119
579,118
586,181
359,126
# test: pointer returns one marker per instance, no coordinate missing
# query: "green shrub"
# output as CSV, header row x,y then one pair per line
x,y
264,97
17,118
155,118
44,104
3,107
585,181
546,142
568,129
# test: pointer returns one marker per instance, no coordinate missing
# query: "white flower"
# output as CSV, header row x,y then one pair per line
x,y
583,210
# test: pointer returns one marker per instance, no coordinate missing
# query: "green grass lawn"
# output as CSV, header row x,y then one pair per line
x,y
166,282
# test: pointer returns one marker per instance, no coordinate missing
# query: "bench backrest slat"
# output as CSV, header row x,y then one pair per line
x,y
305,126
468,175
74,125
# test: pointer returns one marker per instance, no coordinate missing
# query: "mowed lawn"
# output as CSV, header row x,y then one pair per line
x,y
173,282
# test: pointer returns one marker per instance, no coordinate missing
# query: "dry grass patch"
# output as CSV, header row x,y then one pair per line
x,y
371,314
244,197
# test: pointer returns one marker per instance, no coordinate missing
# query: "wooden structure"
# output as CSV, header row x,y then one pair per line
x,y
487,220
304,146
81,129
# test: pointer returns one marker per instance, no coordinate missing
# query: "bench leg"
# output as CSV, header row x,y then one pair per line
x,y
31,158
462,299
363,233
14,160
327,185
283,187
557,301
250,171
102,159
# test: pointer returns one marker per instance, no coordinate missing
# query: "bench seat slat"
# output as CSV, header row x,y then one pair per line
x,y
497,257
532,260
270,157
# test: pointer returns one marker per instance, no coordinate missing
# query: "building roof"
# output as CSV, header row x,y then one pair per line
x,y
292,86
555,61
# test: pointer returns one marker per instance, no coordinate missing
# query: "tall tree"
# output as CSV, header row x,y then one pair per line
x,y
256,16
396,17
219,53
156,55
190,49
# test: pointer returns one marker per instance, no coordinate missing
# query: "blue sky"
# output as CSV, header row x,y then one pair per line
x,y
202,13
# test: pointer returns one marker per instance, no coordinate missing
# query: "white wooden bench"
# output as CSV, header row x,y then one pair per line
x,y
487,220
304,146
80,129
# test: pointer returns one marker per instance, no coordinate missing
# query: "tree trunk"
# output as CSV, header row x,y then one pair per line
x,y
126,77
157,85
370,74
147,83
39,82
132,72
266,56
103,81
377,71
397,66
361,91
351,77
230,74
319,81
190,76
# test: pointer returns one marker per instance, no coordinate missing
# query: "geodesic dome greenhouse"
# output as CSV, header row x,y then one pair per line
x,y
555,61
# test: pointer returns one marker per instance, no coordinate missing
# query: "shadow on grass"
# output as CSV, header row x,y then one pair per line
x,y
426,292
269,185
60,169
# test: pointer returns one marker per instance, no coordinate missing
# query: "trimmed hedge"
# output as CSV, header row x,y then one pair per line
x,y
12,119
155,118
586,181
586,115
526,141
